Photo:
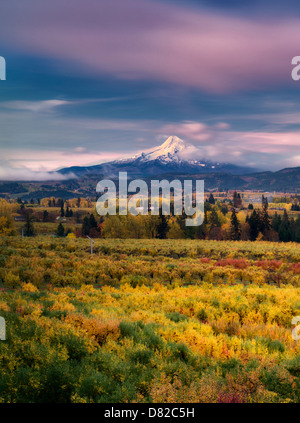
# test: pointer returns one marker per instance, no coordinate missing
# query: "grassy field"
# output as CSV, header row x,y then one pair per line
x,y
149,321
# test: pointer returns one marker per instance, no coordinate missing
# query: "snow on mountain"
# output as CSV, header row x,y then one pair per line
x,y
172,156
173,149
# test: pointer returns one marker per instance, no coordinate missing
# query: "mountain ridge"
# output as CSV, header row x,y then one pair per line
x,y
167,161
174,154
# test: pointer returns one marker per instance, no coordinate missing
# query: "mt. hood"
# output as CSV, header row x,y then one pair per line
x,y
173,156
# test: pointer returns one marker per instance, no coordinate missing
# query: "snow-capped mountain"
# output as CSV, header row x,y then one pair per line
x,y
173,156
173,149
178,154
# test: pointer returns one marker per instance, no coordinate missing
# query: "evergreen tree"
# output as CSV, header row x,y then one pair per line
x,y
297,230
94,230
235,227
86,226
60,230
254,222
285,216
211,199
264,201
235,199
69,212
172,211
62,212
92,221
214,219
276,221
45,216
207,206
162,227
265,223
284,230
200,230
28,227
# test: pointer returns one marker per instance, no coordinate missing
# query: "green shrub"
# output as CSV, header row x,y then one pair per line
x,y
202,315
176,317
141,356
180,351
76,346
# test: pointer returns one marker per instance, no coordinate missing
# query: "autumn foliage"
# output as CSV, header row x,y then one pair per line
x,y
155,321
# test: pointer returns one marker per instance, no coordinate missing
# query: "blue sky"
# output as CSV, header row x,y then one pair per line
x,y
100,79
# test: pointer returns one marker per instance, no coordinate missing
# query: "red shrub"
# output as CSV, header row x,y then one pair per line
x,y
269,264
296,268
236,263
205,260
229,397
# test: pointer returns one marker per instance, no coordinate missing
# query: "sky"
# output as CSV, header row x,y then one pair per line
x,y
94,80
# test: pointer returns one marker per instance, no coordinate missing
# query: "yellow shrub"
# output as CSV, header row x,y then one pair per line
x,y
29,287
63,306
97,329
4,306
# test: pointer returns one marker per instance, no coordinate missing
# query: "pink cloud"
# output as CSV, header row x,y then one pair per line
x,y
195,131
136,39
44,161
268,150
35,106
26,174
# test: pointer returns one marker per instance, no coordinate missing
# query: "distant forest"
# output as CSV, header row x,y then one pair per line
x,y
223,220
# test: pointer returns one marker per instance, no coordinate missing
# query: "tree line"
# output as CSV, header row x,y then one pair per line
x,y
222,221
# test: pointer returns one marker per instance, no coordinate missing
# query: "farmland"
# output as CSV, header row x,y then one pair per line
x,y
148,320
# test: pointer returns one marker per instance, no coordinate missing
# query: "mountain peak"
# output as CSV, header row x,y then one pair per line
x,y
173,155
173,143
170,150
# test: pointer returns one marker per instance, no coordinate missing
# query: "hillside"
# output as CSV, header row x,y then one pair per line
x,y
171,160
